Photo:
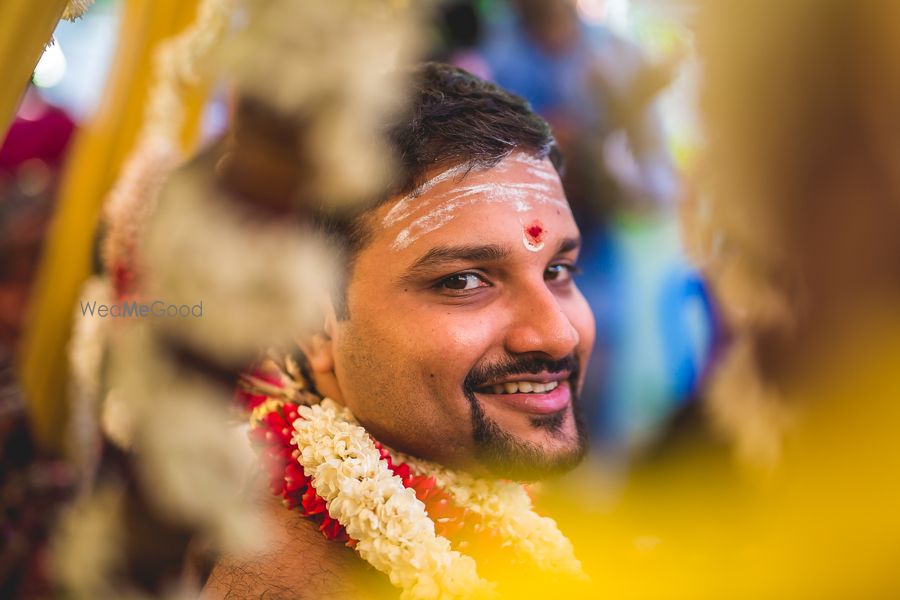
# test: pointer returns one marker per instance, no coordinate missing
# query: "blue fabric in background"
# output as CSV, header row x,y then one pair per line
x,y
654,329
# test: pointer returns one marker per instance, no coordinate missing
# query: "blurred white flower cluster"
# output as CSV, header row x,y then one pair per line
x,y
327,66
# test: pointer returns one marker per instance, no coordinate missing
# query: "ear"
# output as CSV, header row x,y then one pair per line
x,y
319,347
319,351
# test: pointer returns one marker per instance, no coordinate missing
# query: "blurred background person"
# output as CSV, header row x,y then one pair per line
x,y
598,91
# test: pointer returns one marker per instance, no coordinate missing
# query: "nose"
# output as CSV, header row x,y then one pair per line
x,y
540,324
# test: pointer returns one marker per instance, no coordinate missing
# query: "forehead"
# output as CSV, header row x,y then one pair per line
x,y
520,186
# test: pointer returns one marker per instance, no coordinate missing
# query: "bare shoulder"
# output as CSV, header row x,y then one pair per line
x,y
298,563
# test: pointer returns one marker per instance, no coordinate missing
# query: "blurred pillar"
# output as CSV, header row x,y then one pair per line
x,y
25,28
93,166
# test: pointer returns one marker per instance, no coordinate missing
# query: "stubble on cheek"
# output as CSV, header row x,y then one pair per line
x,y
403,400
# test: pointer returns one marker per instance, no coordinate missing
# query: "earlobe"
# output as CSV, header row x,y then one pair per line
x,y
319,353
319,347
320,350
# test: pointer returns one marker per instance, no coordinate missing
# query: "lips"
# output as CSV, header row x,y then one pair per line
x,y
540,401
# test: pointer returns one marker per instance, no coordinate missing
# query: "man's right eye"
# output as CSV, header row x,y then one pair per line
x,y
461,282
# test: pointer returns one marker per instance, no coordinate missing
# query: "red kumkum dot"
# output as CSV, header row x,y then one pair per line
x,y
535,232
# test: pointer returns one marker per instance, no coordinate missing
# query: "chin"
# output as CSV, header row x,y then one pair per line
x,y
527,437
531,468
559,447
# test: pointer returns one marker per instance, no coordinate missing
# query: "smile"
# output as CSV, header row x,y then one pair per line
x,y
525,387
534,397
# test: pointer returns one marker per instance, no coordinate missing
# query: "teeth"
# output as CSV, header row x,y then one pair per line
x,y
524,387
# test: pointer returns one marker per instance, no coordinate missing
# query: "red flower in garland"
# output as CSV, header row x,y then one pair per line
x,y
286,477
449,518
123,279
311,504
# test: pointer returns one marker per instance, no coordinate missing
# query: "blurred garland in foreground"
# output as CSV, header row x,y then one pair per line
x,y
228,229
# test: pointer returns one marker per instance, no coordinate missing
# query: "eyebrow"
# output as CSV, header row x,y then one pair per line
x,y
568,244
441,255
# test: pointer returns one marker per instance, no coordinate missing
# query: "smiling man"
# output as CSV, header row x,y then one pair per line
x,y
451,362
462,332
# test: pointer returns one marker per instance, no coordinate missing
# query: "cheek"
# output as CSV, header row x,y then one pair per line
x,y
405,373
415,353
454,343
462,334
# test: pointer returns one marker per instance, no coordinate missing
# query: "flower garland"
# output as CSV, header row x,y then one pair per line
x,y
399,513
328,468
506,508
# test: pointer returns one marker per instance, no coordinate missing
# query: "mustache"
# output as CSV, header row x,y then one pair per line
x,y
481,375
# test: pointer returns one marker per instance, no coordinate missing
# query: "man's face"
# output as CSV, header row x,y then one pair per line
x,y
466,334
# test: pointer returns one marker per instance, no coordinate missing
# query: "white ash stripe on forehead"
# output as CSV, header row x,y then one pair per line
x,y
520,195
412,202
529,159
440,217
405,207
543,173
539,167
516,191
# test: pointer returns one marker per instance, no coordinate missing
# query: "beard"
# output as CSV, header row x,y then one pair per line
x,y
507,456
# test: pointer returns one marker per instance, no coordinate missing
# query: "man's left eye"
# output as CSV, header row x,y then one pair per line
x,y
560,273
461,282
